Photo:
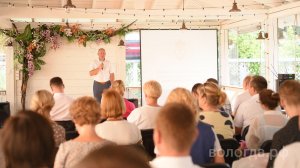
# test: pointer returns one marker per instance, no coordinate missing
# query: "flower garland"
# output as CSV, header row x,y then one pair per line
x,y
30,46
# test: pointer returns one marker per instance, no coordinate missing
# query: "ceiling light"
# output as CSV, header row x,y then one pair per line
x,y
234,8
121,43
183,27
260,36
69,5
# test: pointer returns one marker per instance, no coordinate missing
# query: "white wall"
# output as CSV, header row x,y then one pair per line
x,y
71,62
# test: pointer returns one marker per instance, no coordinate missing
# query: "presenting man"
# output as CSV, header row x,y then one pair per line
x,y
103,74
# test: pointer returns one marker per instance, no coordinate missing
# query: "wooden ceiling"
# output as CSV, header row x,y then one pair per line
x,y
148,13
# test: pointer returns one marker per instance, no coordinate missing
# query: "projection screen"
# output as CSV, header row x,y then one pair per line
x,y
178,58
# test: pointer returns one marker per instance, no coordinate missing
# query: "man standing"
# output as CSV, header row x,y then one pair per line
x,y
103,74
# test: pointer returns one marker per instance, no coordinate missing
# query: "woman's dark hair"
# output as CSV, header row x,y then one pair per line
x,y
269,98
195,87
27,141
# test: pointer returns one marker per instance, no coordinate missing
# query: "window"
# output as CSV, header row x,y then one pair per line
x,y
133,65
288,34
245,56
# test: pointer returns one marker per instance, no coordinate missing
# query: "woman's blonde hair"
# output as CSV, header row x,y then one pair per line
x,y
152,89
119,86
183,96
112,104
42,102
213,94
85,110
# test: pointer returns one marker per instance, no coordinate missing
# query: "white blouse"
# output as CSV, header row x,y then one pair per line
x,y
264,127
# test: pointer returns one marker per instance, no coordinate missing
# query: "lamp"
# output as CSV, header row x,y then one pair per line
x,y
69,5
234,7
260,36
121,43
183,27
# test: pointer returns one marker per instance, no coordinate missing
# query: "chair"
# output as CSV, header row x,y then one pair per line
x,y
266,146
215,165
148,143
244,133
230,146
68,125
135,102
71,135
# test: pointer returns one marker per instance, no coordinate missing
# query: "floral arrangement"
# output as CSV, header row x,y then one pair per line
x,y
30,46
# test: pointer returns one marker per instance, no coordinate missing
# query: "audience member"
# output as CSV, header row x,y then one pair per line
x,y
27,141
245,95
226,107
264,126
144,117
42,102
250,108
288,156
112,156
60,111
206,140
115,128
211,98
289,92
195,94
118,85
174,134
85,112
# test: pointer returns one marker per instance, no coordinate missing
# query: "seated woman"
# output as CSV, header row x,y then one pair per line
x,y
27,141
206,140
263,127
42,102
118,85
115,156
85,112
210,99
115,128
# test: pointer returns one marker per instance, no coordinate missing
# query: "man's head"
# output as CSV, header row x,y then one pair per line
x,y
246,82
57,85
101,54
257,84
289,92
175,130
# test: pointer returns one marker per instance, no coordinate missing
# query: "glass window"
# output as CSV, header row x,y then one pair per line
x,y
288,34
133,65
245,56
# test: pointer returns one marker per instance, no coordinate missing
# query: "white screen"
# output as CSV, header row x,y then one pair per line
x,y
178,58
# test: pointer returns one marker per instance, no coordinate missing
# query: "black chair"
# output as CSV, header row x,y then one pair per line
x,y
135,102
266,146
70,129
215,165
68,125
4,112
148,143
71,135
230,146
244,133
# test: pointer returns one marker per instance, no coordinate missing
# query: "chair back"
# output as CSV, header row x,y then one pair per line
x,y
148,143
215,165
266,146
230,146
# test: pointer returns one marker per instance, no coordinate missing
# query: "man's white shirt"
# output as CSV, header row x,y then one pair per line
x,y
104,74
60,110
